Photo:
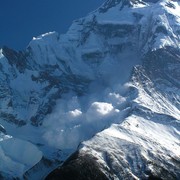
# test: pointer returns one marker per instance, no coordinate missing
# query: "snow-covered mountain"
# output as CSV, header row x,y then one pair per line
x,y
107,90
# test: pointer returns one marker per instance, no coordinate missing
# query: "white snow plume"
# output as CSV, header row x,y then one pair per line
x,y
76,119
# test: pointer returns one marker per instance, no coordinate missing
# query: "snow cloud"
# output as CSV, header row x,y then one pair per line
x,y
76,119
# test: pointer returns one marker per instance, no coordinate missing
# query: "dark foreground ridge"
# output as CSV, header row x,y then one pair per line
x,y
82,166
78,167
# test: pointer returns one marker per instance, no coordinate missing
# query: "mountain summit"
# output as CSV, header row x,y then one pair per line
x,y
105,94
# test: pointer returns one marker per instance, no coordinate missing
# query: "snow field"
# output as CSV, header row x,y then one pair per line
x,y
17,156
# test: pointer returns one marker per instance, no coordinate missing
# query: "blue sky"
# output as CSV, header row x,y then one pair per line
x,y
23,19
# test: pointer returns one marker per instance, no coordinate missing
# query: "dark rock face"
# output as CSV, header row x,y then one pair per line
x,y
15,58
2,129
78,167
52,85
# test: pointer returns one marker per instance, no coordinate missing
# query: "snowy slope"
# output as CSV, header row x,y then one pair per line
x,y
17,156
111,81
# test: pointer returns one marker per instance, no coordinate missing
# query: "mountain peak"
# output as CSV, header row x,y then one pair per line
x,y
111,3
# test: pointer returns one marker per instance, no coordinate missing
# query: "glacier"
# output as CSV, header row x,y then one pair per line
x,y
101,101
